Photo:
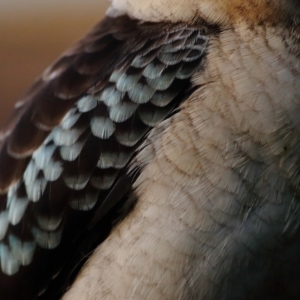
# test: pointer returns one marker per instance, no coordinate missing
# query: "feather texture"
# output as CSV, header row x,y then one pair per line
x,y
65,153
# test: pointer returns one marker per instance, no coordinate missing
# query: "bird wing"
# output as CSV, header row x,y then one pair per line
x,y
66,149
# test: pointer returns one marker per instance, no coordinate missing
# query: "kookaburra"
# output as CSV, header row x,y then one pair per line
x,y
164,147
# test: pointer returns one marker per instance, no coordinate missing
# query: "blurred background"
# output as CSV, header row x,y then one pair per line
x,y
33,33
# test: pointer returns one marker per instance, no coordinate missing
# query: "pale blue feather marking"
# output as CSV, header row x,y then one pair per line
x,y
152,119
70,119
163,82
87,202
154,70
142,61
105,94
4,221
22,251
36,189
186,71
141,93
77,183
171,59
115,76
11,193
179,34
122,111
116,160
49,223
199,47
105,181
129,139
66,137
127,82
102,127
190,42
162,99
110,96
30,173
46,239
107,160
176,46
9,264
48,139
86,104
17,209
53,171
193,55
43,156
139,62
70,153
122,159
34,186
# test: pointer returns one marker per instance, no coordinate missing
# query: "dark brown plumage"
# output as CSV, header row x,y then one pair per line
x,y
65,150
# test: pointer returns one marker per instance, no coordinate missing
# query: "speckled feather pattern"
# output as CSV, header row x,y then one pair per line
x,y
195,121
218,210
70,140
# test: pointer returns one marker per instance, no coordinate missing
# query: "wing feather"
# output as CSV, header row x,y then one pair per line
x,y
65,151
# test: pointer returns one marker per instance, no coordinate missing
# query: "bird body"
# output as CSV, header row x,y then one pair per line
x,y
173,129
222,12
217,196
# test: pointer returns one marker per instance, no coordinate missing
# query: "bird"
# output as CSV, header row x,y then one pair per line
x,y
158,158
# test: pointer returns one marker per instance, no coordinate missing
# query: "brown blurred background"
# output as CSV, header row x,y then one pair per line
x,y
33,33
